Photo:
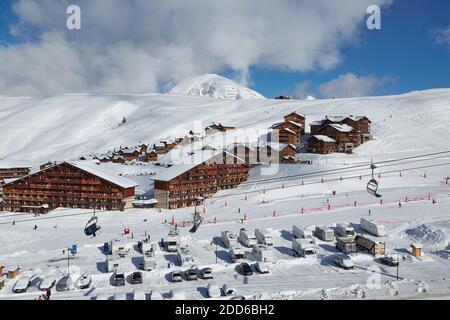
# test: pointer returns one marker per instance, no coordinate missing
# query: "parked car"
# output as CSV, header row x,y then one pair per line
x,y
175,276
390,261
245,269
191,275
84,281
206,273
344,261
22,284
136,277
213,290
118,279
229,290
47,283
262,267
64,284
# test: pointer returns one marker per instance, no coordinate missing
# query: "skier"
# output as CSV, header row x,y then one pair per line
x,y
369,212
399,204
35,227
14,222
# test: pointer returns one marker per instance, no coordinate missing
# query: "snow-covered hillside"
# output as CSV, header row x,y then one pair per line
x,y
214,86
69,126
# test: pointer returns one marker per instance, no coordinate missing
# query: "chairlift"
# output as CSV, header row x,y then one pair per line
x,y
197,220
372,185
92,227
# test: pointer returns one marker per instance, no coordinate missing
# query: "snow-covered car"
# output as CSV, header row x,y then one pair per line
x,y
229,290
175,276
64,284
206,273
48,282
262,267
22,284
389,260
135,278
84,281
156,295
191,275
344,261
213,290
118,279
245,269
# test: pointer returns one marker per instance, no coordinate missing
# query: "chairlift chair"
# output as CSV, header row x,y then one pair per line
x,y
372,185
92,227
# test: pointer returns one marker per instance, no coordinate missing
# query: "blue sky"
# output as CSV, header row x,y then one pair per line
x,y
403,56
404,49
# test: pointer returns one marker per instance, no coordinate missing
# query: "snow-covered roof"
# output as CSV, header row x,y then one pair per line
x,y
296,124
104,174
10,163
289,130
279,146
342,127
184,159
324,138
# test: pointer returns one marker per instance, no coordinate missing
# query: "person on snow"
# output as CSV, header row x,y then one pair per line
x,y
35,227
399,204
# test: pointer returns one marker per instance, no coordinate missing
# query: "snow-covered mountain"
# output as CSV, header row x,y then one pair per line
x,y
67,127
214,86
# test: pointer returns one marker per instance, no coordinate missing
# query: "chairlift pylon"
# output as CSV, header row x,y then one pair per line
x,y
372,185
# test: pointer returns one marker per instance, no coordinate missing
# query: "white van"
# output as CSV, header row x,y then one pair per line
x,y
263,236
302,233
228,238
345,230
236,253
303,248
247,238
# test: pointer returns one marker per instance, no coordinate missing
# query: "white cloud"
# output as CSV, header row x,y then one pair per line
x,y
350,85
142,45
442,36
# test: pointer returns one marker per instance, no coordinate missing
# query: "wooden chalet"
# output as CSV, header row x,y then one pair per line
x,y
345,136
214,128
321,144
68,185
284,134
197,176
296,118
361,124
129,154
151,155
11,169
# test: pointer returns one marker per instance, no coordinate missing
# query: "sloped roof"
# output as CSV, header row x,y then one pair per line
x,y
105,174
323,138
186,160
341,127
93,169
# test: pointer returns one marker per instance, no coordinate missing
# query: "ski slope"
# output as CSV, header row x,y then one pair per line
x,y
70,126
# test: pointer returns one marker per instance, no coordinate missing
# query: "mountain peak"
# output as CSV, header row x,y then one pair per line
x,y
214,86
